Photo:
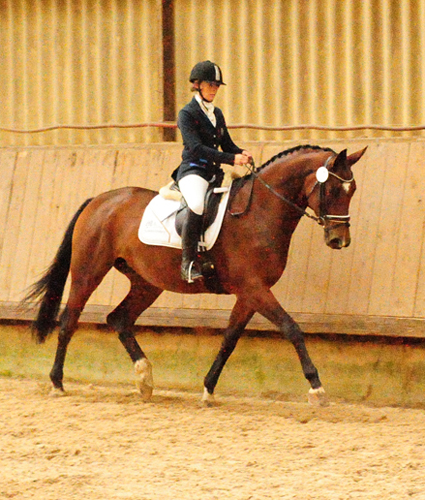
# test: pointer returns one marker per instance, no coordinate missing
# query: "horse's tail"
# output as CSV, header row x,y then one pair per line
x,y
49,288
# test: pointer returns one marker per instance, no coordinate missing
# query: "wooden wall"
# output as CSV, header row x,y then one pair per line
x,y
376,286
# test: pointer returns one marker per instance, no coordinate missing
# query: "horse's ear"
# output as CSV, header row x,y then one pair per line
x,y
355,157
340,160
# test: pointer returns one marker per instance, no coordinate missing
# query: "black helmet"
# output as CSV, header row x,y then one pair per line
x,y
206,71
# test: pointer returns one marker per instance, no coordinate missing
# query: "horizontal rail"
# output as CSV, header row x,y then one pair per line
x,y
311,323
172,125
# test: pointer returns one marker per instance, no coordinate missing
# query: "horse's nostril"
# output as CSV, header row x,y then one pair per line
x,y
336,243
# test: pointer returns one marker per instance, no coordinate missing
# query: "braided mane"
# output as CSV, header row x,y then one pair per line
x,y
239,182
295,150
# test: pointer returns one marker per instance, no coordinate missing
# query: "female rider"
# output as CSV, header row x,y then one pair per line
x,y
204,131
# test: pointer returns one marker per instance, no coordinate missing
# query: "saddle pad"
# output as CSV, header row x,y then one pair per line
x,y
158,223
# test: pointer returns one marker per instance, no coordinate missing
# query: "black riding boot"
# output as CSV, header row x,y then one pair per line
x,y
191,230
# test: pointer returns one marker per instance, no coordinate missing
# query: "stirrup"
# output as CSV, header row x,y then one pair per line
x,y
190,273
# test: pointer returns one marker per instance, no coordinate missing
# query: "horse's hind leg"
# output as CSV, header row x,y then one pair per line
x,y
79,294
67,329
141,295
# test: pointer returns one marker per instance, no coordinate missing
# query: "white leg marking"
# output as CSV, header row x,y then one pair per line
x,y
207,398
317,397
144,382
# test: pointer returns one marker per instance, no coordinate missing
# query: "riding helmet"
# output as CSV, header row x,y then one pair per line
x,y
206,71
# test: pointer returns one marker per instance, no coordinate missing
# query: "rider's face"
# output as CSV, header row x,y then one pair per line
x,y
209,90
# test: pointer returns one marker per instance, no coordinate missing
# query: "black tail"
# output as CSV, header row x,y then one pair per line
x,y
51,286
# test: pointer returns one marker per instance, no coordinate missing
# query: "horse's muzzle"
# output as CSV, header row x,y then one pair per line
x,y
338,236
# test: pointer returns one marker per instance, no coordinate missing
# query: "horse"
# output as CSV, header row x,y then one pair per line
x,y
249,257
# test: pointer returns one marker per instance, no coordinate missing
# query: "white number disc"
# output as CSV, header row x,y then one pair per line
x,y
322,174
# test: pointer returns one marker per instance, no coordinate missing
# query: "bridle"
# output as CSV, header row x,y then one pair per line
x,y
323,215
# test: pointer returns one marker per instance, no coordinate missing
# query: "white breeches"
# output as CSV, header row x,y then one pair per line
x,y
194,188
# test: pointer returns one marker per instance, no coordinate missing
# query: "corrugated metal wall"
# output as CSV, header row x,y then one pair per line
x,y
286,62
322,62
80,62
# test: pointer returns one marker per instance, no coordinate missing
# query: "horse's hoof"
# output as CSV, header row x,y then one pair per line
x,y
145,391
56,392
318,397
143,370
208,399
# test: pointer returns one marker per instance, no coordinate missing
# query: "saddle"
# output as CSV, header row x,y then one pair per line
x,y
161,222
218,185
162,219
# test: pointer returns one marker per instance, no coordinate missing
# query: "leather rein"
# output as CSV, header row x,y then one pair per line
x,y
323,217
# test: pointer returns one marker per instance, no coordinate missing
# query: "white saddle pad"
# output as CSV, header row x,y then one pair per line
x,y
158,222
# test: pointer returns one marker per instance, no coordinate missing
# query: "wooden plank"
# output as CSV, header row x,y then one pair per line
x,y
63,162
7,162
61,207
125,163
171,301
419,310
381,298
8,265
19,280
327,324
409,241
39,251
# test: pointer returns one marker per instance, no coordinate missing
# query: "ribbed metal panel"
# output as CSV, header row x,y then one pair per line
x,y
321,62
287,62
80,62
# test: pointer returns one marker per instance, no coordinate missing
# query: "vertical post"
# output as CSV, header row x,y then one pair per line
x,y
168,58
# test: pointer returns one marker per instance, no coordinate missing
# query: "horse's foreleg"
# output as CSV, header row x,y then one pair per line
x,y
269,307
239,318
122,319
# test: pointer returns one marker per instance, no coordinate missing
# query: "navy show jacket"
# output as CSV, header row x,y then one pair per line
x,y
201,142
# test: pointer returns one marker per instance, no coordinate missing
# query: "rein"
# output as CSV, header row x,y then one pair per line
x,y
340,219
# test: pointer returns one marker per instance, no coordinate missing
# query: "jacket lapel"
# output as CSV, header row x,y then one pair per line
x,y
199,113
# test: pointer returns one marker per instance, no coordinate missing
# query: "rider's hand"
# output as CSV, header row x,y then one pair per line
x,y
243,159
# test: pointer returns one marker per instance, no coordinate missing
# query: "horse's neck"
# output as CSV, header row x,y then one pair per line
x,y
287,180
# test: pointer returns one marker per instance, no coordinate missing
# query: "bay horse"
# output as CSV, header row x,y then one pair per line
x,y
249,257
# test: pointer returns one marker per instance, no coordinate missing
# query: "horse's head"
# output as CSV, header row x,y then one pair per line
x,y
329,192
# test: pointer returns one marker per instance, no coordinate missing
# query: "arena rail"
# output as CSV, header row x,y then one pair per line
x,y
173,125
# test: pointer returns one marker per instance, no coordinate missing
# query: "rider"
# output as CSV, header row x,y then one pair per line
x,y
204,131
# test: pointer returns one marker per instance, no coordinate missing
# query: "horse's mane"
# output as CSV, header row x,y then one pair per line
x,y
295,150
238,183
